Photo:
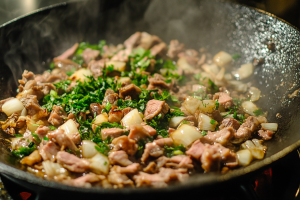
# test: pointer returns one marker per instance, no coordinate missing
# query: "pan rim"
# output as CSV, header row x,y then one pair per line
x,y
26,176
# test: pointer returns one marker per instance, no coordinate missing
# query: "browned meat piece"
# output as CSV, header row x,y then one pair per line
x,y
96,108
90,54
33,158
127,110
115,115
86,180
122,55
159,49
4,101
47,87
118,179
57,116
155,148
42,131
246,130
230,122
26,76
123,143
68,53
72,162
147,41
224,99
110,50
58,136
151,168
161,179
130,90
196,150
55,78
215,156
111,97
111,132
130,169
138,132
97,66
133,40
10,124
158,82
151,131
265,134
216,115
191,56
222,136
192,120
30,84
175,48
119,157
155,107
32,105
180,161
49,151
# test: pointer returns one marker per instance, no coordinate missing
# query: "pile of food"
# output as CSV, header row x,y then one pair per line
x,y
141,113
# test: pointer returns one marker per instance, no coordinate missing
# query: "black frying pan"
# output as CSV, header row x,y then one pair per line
x,y
31,41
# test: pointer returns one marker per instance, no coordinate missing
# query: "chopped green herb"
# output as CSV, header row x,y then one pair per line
x,y
102,148
171,151
36,137
258,112
52,128
217,104
108,106
236,56
212,121
45,138
24,151
204,133
18,135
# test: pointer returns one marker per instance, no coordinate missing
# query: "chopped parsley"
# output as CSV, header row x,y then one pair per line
x,y
52,128
24,151
217,104
102,148
171,151
212,121
204,133
258,112
36,137
236,56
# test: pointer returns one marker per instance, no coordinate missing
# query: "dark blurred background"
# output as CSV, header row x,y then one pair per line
x,y
288,10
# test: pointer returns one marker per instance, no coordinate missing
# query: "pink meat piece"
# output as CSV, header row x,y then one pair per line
x,y
175,48
32,105
159,49
161,179
130,169
158,82
133,40
97,66
230,122
118,179
49,151
138,132
68,53
126,144
112,132
119,157
215,156
155,107
72,162
224,99
182,161
222,136
150,130
122,55
86,180
246,130
58,136
265,134
155,148
90,54
57,116
42,131
196,150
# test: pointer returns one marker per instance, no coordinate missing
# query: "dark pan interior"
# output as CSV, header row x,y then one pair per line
x,y
32,41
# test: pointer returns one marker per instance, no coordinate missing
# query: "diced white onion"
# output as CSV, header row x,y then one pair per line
x,y
239,86
207,106
31,124
118,65
99,164
175,121
132,118
53,169
14,142
124,80
249,107
212,69
88,149
256,148
191,104
24,112
255,92
183,64
69,127
81,74
270,126
244,157
185,135
245,71
220,75
222,59
103,117
12,106
205,123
